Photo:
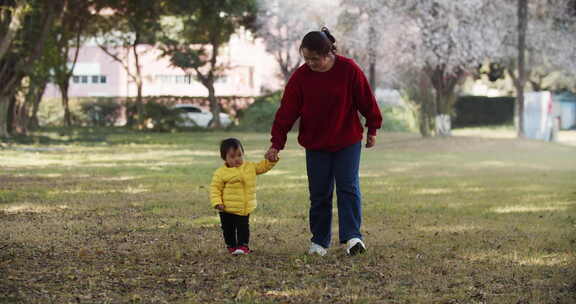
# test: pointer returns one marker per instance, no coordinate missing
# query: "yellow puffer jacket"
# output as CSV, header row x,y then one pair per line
x,y
235,188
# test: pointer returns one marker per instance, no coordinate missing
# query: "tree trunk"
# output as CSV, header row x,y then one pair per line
x,y
34,101
443,125
444,84
424,120
283,59
419,93
372,56
214,107
13,27
65,104
209,83
445,99
138,79
68,72
4,105
11,114
20,123
521,80
140,104
11,76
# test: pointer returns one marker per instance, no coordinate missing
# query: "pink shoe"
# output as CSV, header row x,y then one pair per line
x,y
231,250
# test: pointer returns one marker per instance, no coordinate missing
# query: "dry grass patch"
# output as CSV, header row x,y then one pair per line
x,y
468,219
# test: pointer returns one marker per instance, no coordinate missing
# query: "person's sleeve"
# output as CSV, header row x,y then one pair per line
x,y
216,188
366,102
290,109
264,166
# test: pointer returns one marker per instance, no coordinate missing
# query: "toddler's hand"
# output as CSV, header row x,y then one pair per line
x,y
220,207
272,155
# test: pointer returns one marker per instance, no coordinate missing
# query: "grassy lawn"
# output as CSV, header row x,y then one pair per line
x,y
120,217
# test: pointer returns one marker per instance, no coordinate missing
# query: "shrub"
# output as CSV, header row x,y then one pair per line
x,y
259,115
51,112
482,110
85,112
157,116
397,119
101,112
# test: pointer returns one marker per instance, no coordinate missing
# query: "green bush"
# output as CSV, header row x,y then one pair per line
x,y
157,116
258,117
397,119
101,112
51,112
483,110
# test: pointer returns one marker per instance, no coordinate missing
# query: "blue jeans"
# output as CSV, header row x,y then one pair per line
x,y
324,169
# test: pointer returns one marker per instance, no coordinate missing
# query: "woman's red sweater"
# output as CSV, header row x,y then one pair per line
x,y
327,104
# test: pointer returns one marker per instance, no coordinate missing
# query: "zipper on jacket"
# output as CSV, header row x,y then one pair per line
x,y
244,189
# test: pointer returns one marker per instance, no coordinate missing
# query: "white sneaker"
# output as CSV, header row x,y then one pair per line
x,y
317,249
355,246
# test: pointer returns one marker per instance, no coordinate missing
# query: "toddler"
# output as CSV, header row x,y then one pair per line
x,y
233,193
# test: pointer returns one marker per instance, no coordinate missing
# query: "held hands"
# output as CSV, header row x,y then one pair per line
x,y
272,155
220,207
370,141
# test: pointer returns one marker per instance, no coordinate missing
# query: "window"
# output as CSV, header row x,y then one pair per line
x,y
95,79
173,79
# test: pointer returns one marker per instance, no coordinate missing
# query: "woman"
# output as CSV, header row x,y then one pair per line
x,y
326,93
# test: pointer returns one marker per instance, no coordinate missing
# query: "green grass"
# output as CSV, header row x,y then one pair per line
x,y
113,216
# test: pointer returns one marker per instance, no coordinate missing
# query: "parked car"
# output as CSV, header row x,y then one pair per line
x,y
194,116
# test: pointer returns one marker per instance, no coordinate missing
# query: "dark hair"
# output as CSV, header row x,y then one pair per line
x,y
228,144
321,42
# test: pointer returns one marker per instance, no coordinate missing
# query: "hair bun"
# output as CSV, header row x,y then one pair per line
x,y
326,31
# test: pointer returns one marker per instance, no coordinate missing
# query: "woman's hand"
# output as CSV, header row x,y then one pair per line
x,y
370,141
272,154
220,207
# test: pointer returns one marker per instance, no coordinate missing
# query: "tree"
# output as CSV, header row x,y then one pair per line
x,y
520,81
199,29
15,13
26,102
22,51
283,23
419,93
125,34
68,37
444,40
361,22
538,42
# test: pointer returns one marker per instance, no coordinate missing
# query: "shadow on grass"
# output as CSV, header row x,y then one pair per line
x,y
63,136
100,135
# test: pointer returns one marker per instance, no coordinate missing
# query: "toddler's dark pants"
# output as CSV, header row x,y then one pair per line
x,y
236,229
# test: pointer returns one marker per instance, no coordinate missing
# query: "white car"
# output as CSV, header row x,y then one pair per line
x,y
195,116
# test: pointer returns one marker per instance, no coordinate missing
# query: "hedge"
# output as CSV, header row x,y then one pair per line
x,y
482,110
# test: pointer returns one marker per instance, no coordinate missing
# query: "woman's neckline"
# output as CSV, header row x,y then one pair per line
x,y
330,69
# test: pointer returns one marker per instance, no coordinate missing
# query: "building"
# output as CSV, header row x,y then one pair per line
x,y
250,71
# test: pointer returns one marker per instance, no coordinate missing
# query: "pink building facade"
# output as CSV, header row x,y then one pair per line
x,y
251,70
